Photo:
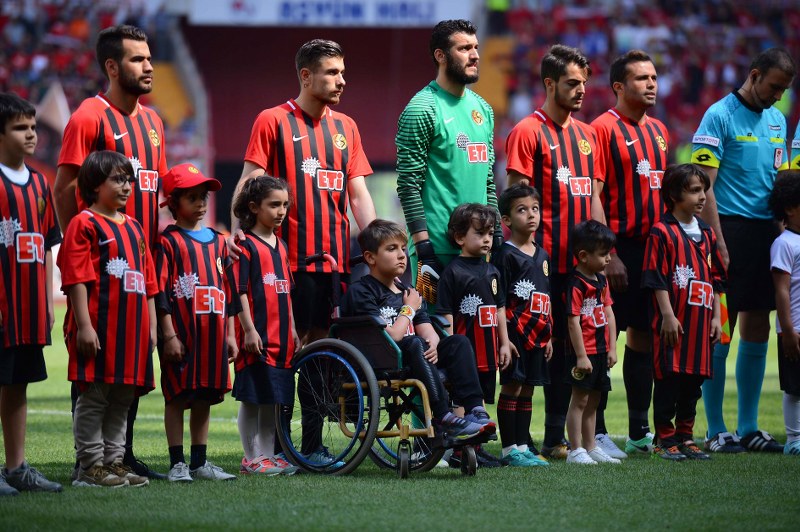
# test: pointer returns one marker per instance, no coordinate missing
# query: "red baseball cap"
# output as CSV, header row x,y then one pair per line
x,y
185,175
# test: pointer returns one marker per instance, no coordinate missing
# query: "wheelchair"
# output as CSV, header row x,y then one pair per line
x,y
353,398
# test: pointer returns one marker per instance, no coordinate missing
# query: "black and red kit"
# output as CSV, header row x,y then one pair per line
x,y
588,298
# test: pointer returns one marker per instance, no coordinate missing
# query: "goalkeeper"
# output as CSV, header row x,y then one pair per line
x,y
444,153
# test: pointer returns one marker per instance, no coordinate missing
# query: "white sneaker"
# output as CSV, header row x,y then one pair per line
x,y
605,442
179,473
580,456
209,471
599,455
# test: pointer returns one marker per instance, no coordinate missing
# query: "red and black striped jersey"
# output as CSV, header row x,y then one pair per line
x,y
561,164
262,272
97,125
28,229
317,158
112,259
469,289
589,299
525,281
690,272
633,160
194,291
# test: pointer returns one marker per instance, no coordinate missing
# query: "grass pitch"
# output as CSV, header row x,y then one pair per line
x,y
749,491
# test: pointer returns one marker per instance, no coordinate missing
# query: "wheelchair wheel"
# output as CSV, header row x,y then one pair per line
x,y
469,461
331,425
425,453
403,458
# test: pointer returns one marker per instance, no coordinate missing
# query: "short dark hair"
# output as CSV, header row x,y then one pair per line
x,y
785,194
676,180
255,190
379,231
515,192
558,57
175,197
96,168
467,215
619,68
591,236
311,53
12,106
440,38
109,43
777,57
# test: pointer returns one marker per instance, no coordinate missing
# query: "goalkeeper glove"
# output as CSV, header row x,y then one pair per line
x,y
428,271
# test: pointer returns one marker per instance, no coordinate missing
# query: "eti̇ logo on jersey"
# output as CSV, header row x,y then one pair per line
x,y
209,300
281,285
30,247
487,316
148,179
653,177
325,179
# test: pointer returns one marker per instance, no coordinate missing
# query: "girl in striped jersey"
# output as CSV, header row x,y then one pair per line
x,y
265,332
195,320
684,271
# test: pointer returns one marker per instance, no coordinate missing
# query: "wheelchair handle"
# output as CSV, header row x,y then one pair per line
x,y
323,256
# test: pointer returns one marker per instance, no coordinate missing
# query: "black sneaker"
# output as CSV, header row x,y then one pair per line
x,y
668,453
691,451
5,489
724,442
762,442
27,478
141,469
486,459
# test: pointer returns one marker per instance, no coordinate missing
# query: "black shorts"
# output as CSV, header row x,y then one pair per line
x,y
22,365
488,380
788,372
558,307
598,380
529,368
632,306
311,299
262,384
749,276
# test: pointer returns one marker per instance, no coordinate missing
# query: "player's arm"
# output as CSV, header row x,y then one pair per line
x,y
415,129
151,309
428,333
360,201
252,340
789,337
64,194
173,349
716,320
612,335
412,302
710,214
230,340
671,328
87,340
515,177
504,345
48,288
576,339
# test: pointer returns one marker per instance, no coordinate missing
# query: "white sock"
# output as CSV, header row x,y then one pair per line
x,y
523,448
791,416
247,421
507,450
266,430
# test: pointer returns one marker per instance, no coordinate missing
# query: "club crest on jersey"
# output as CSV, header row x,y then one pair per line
x,y
708,259
219,265
154,140
340,141
584,147
8,228
281,285
662,144
683,274
477,117
546,268
142,246
494,286
40,205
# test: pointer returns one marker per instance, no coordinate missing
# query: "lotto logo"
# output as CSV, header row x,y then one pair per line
x,y
281,286
133,282
599,316
148,180
209,300
656,176
330,179
30,247
540,303
701,294
487,316
477,152
580,186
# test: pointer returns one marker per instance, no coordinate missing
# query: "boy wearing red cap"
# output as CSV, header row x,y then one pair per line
x,y
195,321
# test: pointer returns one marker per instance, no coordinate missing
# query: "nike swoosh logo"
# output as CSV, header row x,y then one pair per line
x,y
104,242
448,120
630,142
430,271
298,138
554,146
118,136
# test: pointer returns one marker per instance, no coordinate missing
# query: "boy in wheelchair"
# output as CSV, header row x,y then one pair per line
x,y
379,294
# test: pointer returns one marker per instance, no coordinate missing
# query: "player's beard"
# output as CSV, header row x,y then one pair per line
x,y
458,73
566,103
132,85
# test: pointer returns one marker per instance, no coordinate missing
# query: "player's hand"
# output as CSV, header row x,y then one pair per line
x,y
791,345
584,365
612,358
296,340
429,269
548,350
412,298
231,241
504,357
431,354
671,330
51,318
514,350
87,341
252,342
617,274
173,350
716,330
233,349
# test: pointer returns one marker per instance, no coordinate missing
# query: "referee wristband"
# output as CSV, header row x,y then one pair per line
x,y
408,312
